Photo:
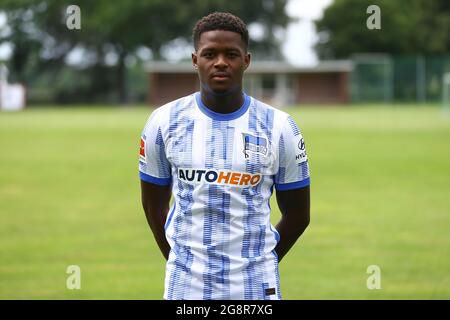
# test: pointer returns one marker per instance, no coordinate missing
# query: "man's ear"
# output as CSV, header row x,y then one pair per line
x,y
194,60
247,59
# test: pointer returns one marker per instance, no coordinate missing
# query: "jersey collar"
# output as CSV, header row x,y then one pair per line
x,y
222,116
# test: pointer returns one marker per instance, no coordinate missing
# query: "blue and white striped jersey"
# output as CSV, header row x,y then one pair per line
x,y
222,168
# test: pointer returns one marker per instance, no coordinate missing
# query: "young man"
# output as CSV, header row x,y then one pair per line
x,y
219,153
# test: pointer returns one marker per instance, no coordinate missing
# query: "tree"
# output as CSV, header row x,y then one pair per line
x,y
120,28
419,26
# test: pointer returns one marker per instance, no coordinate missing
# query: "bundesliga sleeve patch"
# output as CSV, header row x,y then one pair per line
x,y
142,156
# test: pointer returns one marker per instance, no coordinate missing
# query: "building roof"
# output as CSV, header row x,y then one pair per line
x,y
255,67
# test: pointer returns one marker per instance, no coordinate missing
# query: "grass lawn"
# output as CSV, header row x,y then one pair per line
x,y
69,195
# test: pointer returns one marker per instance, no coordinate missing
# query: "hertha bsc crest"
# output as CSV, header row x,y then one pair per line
x,y
254,144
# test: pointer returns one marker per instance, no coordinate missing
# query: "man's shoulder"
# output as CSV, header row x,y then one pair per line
x,y
162,113
185,101
262,108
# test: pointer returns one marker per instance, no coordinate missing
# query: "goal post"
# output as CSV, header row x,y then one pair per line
x,y
446,93
372,77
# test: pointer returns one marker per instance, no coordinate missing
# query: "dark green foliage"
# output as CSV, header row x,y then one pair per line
x,y
41,40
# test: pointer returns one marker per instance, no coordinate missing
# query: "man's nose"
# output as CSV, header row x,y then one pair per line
x,y
221,61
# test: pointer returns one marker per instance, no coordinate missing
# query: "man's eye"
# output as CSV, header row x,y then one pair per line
x,y
208,55
232,55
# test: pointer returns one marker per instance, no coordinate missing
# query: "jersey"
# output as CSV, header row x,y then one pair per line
x,y
222,169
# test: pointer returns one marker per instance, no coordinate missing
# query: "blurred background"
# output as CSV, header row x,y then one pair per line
x,y
370,89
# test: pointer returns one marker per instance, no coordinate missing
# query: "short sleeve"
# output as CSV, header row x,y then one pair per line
x,y
293,171
153,164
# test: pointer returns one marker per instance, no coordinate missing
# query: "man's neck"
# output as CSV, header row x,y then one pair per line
x,y
222,102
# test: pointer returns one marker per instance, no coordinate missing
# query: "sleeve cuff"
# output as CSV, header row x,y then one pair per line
x,y
154,180
292,185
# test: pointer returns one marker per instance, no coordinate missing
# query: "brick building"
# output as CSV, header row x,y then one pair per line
x,y
277,83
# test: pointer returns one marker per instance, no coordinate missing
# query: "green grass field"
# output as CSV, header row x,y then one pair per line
x,y
69,195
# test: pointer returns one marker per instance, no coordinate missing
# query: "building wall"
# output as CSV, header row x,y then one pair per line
x,y
165,87
326,87
308,87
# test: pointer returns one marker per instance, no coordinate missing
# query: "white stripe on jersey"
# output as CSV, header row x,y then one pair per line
x,y
222,168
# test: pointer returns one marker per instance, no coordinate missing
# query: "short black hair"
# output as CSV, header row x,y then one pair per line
x,y
220,21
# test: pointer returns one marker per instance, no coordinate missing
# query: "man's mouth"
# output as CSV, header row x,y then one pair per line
x,y
220,75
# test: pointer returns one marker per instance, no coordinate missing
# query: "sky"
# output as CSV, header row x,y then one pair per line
x,y
301,35
299,40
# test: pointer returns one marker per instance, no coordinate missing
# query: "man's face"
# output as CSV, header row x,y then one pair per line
x,y
221,60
